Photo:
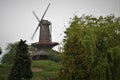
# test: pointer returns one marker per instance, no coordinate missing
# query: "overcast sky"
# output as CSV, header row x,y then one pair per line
x,y
18,22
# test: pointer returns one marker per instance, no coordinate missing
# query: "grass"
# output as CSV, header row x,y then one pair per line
x,y
4,71
46,65
48,71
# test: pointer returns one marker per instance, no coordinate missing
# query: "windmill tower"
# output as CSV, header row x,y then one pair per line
x,y
45,44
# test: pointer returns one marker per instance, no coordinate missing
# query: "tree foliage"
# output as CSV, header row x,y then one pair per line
x,y
10,55
10,52
22,65
91,49
54,56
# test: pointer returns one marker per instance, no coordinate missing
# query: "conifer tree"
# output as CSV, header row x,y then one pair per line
x,y
22,65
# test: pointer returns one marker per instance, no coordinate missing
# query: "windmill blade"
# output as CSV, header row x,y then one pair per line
x,y
44,15
44,12
35,32
36,16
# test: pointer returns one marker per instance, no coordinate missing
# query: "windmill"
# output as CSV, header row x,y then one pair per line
x,y
45,39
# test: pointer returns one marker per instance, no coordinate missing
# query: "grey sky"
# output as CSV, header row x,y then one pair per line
x,y
17,21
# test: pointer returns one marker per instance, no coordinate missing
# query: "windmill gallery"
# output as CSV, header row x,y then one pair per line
x,y
45,44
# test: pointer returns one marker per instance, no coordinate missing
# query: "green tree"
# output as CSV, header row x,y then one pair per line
x,y
91,49
10,55
76,64
108,39
22,65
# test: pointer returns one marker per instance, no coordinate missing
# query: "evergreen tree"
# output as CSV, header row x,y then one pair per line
x,y
22,65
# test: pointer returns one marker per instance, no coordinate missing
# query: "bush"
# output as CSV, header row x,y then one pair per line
x,y
54,56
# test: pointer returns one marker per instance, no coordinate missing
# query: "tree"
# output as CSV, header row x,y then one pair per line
x,y
22,65
91,49
108,40
76,64
10,55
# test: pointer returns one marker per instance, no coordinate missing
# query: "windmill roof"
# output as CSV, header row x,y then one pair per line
x,y
46,22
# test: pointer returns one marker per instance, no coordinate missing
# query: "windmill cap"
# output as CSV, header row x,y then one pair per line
x,y
46,22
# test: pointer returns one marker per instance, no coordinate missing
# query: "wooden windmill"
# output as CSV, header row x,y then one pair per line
x,y
45,39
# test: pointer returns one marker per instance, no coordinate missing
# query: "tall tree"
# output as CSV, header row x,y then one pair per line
x,y
22,65
76,64
92,48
